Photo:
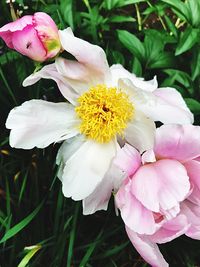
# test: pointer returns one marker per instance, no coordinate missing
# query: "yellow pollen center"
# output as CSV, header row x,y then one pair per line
x,y
104,112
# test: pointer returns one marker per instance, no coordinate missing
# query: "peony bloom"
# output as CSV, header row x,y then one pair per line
x,y
107,107
33,36
160,198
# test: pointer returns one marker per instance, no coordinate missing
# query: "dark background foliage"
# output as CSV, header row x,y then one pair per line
x,y
149,38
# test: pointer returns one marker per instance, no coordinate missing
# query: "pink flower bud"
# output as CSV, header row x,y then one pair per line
x,y
33,36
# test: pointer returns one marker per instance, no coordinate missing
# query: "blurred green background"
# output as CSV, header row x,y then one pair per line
x,y
38,226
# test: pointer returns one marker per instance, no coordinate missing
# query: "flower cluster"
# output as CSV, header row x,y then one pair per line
x,y
110,142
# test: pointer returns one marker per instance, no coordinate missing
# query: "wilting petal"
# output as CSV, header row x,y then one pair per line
x,y
119,72
140,132
192,211
128,159
50,72
147,249
86,168
133,213
88,54
181,142
161,185
40,123
171,230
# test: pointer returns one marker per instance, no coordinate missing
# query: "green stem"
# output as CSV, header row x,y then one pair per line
x,y
138,17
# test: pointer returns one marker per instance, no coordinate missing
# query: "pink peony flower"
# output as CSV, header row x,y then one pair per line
x,y
160,198
33,36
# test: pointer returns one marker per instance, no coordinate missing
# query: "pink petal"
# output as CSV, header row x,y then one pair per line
x,y
193,170
171,230
161,185
18,25
27,43
192,211
181,142
43,19
147,249
128,159
133,213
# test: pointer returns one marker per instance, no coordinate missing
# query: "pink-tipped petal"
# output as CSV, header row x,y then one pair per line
x,y
180,142
161,185
147,249
128,159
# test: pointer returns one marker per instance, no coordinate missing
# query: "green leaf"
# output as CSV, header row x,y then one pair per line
x,y
180,7
162,60
194,12
171,26
195,64
132,43
193,105
187,40
67,11
18,227
179,76
121,19
137,68
111,4
32,250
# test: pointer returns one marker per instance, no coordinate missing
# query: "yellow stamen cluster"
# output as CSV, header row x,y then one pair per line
x,y
105,112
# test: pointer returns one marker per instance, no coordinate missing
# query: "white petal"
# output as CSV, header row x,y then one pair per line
x,y
140,132
86,53
86,168
77,75
156,105
50,72
119,72
99,199
40,123
68,148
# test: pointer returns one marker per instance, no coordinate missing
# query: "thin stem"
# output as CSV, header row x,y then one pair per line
x,y
138,17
